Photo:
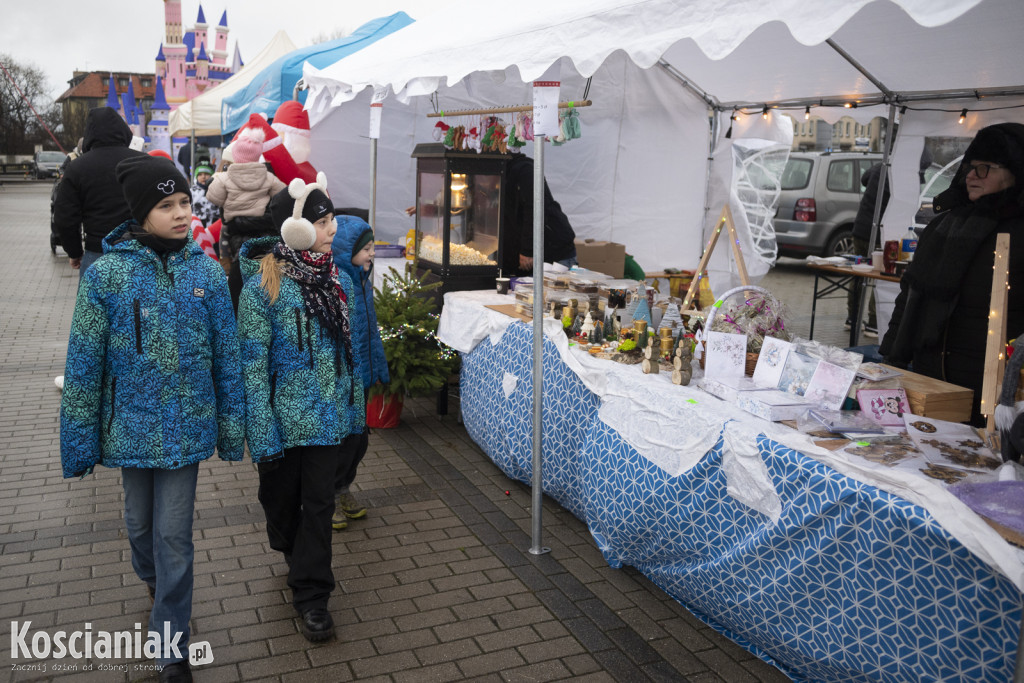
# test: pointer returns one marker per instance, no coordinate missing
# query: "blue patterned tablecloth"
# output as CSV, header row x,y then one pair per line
x,y
853,583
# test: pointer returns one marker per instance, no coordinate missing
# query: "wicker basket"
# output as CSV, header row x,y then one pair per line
x,y
751,361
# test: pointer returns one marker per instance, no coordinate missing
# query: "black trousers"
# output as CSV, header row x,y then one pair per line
x,y
297,495
353,448
235,283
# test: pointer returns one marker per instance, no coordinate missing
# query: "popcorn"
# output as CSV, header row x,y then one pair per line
x,y
431,249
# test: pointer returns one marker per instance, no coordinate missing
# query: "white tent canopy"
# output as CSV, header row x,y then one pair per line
x,y
202,113
742,51
645,180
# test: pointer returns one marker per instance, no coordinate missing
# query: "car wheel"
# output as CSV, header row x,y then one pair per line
x,y
840,243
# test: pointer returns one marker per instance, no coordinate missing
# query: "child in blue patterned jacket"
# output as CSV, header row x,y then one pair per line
x,y
303,399
353,254
153,385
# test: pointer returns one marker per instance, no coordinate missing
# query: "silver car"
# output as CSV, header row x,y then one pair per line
x,y
47,164
819,200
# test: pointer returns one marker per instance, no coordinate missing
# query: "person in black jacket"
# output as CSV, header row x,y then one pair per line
x,y
559,237
861,236
89,196
940,322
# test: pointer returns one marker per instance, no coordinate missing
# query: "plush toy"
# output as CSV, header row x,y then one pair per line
x,y
440,130
473,139
1010,415
286,142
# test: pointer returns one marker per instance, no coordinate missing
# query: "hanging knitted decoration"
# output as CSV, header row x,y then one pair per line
x,y
440,129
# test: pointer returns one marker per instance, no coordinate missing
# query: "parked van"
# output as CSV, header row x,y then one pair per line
x,y
819,200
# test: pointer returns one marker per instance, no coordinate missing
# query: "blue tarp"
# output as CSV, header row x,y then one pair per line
x,y
275,84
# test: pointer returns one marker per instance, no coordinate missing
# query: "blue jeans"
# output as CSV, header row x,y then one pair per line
x,y
158,512
88,258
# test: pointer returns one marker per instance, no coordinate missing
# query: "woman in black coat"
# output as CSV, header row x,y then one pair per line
x,y
940,323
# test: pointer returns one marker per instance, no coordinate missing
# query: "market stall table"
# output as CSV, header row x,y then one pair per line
x,y
842,278
821,563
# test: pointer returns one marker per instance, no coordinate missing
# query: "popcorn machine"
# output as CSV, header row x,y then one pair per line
x,y
460,203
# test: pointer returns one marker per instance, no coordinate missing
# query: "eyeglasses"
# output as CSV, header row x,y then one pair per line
x,y
981,170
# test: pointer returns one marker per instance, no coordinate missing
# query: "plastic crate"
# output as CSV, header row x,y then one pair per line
x,y
389,251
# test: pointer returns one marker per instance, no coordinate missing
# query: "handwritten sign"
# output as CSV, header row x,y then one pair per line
x,y
376,109
545,107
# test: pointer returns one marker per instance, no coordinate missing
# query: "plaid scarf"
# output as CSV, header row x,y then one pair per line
x,y
322,294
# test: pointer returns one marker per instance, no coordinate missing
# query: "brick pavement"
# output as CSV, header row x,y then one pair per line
x,y
434,585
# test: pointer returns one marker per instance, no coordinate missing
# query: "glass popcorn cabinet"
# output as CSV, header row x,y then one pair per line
x,y
460,237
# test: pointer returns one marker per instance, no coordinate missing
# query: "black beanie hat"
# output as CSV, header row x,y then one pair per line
x,y
316,206
146,181
365,237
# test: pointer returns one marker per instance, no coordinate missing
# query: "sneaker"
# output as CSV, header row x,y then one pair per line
x,y
870,332
848,324
339,522
59,381
347,503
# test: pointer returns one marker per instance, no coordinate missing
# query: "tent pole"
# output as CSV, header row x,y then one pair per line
x,y
575,104
859,282
859,67
538,343
373,184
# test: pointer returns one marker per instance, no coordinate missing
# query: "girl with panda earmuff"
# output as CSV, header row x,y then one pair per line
x,y
303,400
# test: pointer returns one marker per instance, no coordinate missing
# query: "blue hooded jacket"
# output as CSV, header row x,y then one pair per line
x,y
366,344
297,384
153,376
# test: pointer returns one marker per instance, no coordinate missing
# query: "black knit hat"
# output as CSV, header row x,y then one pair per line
x,y
146,181
295,221
317,206
365,237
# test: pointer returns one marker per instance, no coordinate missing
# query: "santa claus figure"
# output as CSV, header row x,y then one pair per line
x,y
286,145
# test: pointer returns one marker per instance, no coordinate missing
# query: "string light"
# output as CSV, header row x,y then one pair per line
x,y
848,105
764,113
963,116
807,112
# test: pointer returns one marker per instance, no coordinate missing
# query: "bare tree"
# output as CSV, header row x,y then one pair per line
x,y
22,87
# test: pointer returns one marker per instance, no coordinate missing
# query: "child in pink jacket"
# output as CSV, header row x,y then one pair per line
x,y
243,191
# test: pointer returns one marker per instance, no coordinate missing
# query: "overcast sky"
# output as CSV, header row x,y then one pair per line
x,y
59,36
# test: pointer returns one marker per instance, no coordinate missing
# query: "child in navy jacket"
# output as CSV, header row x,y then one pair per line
x,y
353,254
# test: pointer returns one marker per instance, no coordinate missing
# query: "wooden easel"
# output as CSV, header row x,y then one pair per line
x,y
995,346
724,219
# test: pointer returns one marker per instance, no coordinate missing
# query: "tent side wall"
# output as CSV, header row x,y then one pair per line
x,y
639,167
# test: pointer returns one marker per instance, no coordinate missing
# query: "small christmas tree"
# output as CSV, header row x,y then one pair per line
x,y
417,361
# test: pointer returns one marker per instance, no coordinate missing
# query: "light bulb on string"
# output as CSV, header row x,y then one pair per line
x,y
807,112
764,113
963,116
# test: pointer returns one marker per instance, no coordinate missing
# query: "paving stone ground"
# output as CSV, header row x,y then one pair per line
x,y
436,584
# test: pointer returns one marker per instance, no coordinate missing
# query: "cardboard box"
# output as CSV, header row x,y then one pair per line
x,y
727,389
604,257
772,404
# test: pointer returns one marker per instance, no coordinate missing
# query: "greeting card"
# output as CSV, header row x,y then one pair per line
x,y
726,354
797,373
771,361
829,385
885,406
